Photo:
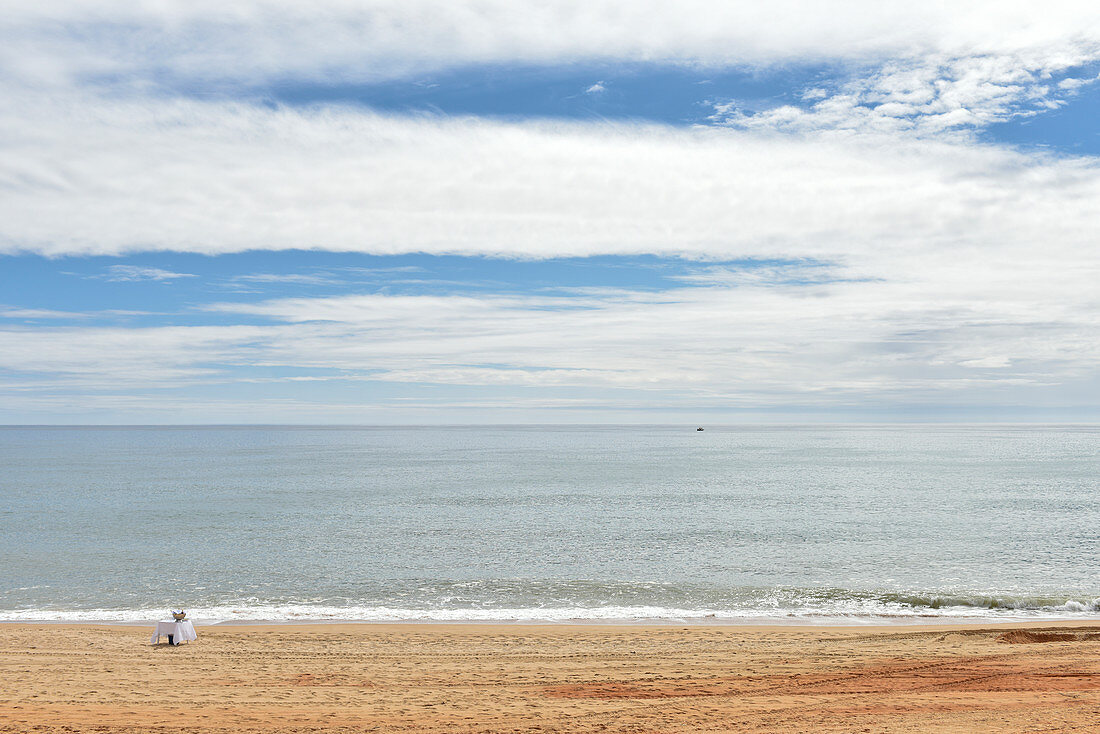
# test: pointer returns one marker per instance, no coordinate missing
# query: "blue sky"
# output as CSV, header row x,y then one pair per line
x,y
428,212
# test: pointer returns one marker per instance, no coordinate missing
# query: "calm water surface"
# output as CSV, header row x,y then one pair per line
x,y
550,522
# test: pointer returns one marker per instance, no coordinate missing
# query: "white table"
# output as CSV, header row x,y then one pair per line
x,y
179,631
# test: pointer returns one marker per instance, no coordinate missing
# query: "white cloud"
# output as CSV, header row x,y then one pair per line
x,y
108,357
338,39
295,278
39,313
213,178
768,274
36,314
961,333
926,95
931,68
97,167
135,273
928,267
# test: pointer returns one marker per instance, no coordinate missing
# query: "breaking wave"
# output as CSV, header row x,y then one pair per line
x,y
806,606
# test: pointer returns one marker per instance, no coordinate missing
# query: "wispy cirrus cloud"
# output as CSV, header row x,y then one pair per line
x,y
293,278
37,314
750,346
40,313
138,273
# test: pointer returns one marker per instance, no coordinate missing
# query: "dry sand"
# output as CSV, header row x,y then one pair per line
x,y
518,678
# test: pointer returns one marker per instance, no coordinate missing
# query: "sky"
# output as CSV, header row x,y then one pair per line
x,y
495,211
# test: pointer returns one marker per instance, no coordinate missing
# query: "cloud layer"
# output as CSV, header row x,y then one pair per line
x,y
216,178
840,346
337,39
911,263
108,150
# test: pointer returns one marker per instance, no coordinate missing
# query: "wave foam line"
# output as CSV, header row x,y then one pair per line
x,y
303,612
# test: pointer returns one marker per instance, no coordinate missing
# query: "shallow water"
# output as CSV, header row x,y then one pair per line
x,y
550,522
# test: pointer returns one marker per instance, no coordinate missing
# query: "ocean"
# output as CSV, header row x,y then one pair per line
x,y
808,524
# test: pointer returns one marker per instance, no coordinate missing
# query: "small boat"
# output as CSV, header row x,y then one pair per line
x,y
698,429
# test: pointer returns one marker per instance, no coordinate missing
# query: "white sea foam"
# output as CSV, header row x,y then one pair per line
x,y
845,613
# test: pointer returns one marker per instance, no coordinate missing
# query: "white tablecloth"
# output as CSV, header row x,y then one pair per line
x,y
180,631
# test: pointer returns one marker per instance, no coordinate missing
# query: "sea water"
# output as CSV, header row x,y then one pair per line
x,y
802,523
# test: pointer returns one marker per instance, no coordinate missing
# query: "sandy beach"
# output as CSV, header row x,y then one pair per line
x,y
519,678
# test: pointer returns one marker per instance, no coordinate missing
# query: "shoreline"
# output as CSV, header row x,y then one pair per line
x,y
908,623
315,625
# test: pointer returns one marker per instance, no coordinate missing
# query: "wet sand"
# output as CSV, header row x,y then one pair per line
x,y
563,678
